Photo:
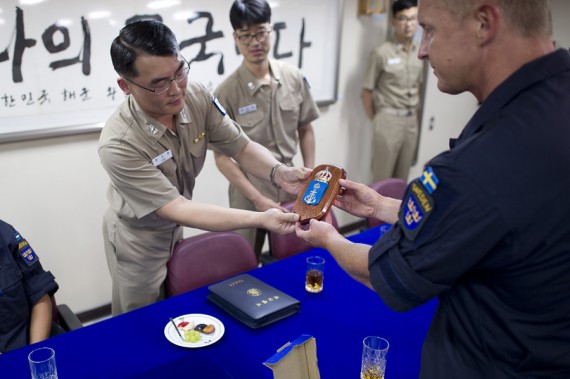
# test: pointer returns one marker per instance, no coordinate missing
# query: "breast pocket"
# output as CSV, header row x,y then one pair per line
x,y
168,168
290,106
250,120
13,300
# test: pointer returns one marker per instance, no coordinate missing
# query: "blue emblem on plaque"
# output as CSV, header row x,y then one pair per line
x,y
317,188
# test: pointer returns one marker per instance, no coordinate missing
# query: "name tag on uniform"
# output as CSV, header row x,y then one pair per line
x,y
396,60
248,109
162,157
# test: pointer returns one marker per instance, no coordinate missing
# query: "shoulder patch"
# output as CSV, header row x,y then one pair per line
x,y
219,106
429,179
25,250
416,208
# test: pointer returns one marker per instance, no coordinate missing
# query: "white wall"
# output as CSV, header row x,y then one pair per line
x,y
560,18
53,190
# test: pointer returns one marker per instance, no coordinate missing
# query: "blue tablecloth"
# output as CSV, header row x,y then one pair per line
x,y
133,345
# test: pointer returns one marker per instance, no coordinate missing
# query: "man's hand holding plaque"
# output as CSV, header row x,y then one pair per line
x,y
321,189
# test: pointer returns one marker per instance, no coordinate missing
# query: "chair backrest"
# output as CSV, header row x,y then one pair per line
x,y
207,258
391,187
63,316
284,245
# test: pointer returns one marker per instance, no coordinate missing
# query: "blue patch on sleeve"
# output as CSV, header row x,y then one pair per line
x,y
25,250
416,208
219,106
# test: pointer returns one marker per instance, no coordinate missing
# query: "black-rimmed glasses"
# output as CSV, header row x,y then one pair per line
x,y
405,20
260,36
179,76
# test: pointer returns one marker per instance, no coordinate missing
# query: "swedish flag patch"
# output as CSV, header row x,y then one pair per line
x,y
416,208
429,180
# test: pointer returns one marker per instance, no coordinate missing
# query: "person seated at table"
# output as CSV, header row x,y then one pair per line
x,y
485,228
25,290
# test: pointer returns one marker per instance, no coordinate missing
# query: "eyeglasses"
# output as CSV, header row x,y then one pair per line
x,y
405,20
260,36
179,76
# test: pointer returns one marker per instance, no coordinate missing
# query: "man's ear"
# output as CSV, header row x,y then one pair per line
x,y
124,86
487,17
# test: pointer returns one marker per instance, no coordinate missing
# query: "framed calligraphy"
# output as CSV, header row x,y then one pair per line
x,y
57,77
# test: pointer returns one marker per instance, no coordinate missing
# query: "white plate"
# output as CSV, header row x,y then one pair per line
x,y
197,318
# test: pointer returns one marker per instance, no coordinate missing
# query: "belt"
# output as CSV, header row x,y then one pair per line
x,y
398,112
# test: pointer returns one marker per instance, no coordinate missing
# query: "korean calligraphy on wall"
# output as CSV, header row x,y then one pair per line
x,y
56,73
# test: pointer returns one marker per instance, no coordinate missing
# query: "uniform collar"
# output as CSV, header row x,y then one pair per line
x,y
531,73
251,83
401,47
150,126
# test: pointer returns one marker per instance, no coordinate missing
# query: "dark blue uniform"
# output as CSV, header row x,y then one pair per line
x,y
487,230
23,282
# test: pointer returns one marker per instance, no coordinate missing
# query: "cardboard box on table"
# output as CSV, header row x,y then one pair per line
x,y
296,360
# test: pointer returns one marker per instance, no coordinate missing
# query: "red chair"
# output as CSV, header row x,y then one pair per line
x,y
284,245
391,187
207,258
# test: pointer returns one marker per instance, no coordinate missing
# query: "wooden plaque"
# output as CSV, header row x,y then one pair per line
x,y
318,194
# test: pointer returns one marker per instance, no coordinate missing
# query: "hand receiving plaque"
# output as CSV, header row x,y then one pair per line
x,y
316,198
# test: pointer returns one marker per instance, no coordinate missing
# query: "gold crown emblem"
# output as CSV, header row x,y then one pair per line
x,y
253,292
323,176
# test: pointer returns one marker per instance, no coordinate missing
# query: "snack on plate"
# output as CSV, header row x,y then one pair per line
x,y
186,325
192,336
206,329
209,329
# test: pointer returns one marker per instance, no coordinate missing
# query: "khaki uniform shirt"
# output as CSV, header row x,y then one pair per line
x,y
395,75
270,114
150,166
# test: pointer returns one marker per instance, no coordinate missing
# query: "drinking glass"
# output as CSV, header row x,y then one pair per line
x,y
374,357
315,274
42,363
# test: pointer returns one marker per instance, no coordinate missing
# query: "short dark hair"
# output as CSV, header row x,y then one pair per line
x,y
249,12
400,5
141,37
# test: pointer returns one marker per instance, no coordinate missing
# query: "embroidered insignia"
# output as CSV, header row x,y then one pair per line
x,y
25,250
219,106
415,210
429,180
200,136
152,129
317,188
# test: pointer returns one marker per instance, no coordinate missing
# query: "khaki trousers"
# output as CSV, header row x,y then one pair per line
x,y
394,142
137,261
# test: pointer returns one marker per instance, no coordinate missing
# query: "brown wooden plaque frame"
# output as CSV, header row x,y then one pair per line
x,y
319,210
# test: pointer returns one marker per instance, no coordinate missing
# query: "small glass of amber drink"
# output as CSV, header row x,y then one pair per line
x,y
374,357
315,274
